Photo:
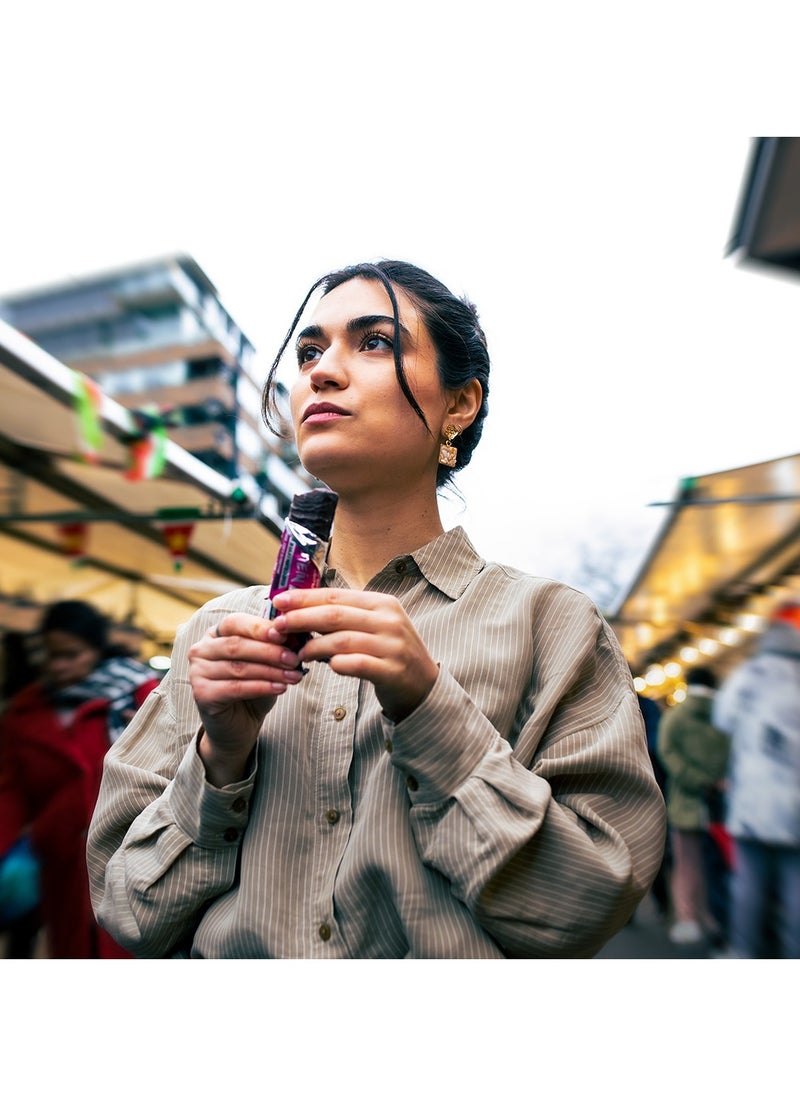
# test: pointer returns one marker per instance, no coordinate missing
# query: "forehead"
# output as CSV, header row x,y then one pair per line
x,y
364,297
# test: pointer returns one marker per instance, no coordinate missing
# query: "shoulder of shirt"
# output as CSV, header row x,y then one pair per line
x,y
539,585
453,563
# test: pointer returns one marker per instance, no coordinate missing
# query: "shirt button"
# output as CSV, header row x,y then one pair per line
x,y
401,567
324,932
239,804
411,783
339,713
230,834
388,745
332,816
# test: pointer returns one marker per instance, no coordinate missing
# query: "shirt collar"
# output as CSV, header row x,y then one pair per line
x,y
449,562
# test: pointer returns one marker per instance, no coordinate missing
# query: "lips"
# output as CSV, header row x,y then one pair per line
x,y
323,412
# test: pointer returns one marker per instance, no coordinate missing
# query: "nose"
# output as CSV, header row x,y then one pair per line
x,y
329,370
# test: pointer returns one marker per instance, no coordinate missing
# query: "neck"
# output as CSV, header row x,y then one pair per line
x,y
370,531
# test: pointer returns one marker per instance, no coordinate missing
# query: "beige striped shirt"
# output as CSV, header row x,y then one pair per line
x,y
513,813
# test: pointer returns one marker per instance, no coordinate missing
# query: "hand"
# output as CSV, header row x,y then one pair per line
x,y
237,671
364,635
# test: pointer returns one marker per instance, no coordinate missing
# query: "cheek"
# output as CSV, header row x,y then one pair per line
x,y
296,394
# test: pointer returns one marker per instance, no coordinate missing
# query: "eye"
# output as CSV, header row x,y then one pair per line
x,y
307,353
376,340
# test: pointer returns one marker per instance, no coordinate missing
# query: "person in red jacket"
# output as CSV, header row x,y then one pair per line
x,y
54,735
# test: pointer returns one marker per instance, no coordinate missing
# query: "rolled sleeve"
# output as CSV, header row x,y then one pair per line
x,y
439,745
212,818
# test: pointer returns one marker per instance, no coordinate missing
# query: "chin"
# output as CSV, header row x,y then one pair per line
x,y
325,465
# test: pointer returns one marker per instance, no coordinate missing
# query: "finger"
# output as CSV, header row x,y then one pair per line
x,y
236,657
239,670
358,653
297,598
239,657
240,624
327,618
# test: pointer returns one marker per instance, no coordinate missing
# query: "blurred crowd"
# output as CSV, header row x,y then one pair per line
x,y
728,761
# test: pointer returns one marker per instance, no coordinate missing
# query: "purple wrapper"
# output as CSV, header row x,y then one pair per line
x,y
302,550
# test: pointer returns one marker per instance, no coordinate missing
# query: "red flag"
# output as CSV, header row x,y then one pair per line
x,y
177,536
74,536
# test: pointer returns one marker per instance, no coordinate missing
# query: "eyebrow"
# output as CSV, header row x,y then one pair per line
x,y
353,327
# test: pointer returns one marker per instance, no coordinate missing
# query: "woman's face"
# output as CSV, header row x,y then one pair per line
x,y
68,659
354,427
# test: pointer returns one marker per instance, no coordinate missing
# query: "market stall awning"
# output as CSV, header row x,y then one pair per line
x,y
46,482
729,549
766,229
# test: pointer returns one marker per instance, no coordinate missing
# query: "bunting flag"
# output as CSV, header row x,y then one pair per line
x,y
177,537
74,538
88,400
177,528
147,449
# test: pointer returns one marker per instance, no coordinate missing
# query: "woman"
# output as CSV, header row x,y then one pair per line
x,y
55,734
462,771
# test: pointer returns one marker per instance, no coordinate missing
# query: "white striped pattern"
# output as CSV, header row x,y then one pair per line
x,y
516,814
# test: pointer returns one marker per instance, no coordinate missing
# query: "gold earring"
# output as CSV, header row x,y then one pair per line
x,y
447,451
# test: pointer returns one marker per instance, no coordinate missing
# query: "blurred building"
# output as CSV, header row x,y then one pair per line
x,y
156,335
158,341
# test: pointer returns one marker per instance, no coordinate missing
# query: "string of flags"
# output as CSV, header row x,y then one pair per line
x,y
176,524
146,446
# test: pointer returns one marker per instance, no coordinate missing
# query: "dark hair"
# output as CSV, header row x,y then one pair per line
x,y
701,675
77,618
452,324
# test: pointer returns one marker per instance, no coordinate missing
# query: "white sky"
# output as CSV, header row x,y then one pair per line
x,y
575,172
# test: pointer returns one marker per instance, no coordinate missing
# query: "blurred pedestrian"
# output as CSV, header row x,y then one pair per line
x,y
651,713
54,735
19,907
694,754
759,707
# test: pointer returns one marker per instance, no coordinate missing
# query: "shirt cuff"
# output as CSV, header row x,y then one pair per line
x,y
213,818
441,743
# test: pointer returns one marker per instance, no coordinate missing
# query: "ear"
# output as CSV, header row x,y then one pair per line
x,y
463,404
